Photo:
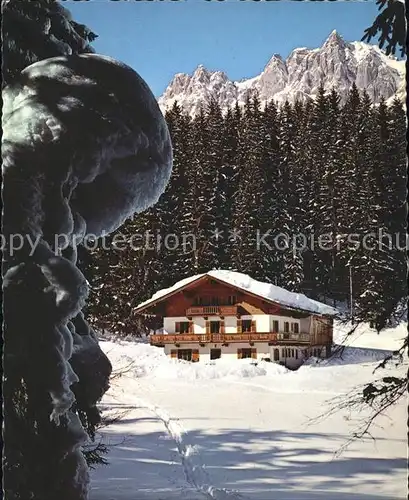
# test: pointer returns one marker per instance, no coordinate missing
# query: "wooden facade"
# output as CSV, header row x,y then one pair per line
x,y
216,298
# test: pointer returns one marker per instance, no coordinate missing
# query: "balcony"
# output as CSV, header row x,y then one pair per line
x,y
211,311
228,338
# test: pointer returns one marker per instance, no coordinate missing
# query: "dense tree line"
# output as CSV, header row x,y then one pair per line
x,y
310,197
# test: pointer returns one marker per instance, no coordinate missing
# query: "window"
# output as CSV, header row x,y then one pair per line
x,y
245,353
295,328
185,354
276,354
214,326
246,325
231,300
182,327
275,326
198,301
215,353
286,327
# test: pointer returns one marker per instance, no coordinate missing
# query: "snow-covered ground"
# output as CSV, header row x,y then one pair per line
x,y
232,430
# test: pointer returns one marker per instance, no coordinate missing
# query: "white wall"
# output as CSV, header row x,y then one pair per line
x,y
286,357
169,324
228,352
305,325
263,351
264,323
230,324
199,324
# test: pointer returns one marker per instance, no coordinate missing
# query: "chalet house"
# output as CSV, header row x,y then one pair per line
x,y
228,314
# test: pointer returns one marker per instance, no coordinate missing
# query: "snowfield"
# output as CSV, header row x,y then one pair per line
x,y
234,430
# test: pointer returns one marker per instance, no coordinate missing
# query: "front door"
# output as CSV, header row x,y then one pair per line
x,y
215,353
276,354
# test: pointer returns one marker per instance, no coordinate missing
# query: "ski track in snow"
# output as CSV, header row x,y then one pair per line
x,y
195,473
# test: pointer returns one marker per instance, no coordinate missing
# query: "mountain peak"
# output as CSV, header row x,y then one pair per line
x,y
275,63
336,64
201,69
334,38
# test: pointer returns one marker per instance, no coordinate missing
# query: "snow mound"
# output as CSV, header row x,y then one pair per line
x,y
218,369
142,360
350,355
363,336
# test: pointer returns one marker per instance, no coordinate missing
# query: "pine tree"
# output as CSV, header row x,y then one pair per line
x,y
172,207
249,199
270,216
217,186
229,177
33,31
383,273
291,273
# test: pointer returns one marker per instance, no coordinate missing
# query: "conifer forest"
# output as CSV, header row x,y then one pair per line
x,y
308,196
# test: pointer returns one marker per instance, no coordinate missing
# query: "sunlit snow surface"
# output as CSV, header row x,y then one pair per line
x,y
233,430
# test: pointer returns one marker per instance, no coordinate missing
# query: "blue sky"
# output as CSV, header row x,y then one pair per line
x,y
159,39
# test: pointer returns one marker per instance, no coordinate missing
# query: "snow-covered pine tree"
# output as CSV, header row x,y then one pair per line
x,y
270,216
383,265
33,31
216,182
349,210
291,273
249,200
229,177
177,249
396,222
201,183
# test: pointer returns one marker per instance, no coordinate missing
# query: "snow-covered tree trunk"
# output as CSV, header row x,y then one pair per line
x,y
85,146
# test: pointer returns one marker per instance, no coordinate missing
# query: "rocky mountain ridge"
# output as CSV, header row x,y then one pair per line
x,y
337,64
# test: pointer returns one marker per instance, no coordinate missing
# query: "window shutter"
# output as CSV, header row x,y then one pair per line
x,y
207,326
253,326
238,353
239,329
195,355
254,353
174,353
177,327
222,326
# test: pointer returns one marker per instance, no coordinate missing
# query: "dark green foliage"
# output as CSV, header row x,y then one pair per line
x,y
33,31
36,30
320,169
390,26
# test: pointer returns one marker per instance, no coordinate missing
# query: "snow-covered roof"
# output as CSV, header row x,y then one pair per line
x,y
244,282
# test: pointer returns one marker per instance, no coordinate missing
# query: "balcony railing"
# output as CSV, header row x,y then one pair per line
x,y
199,338
211,311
